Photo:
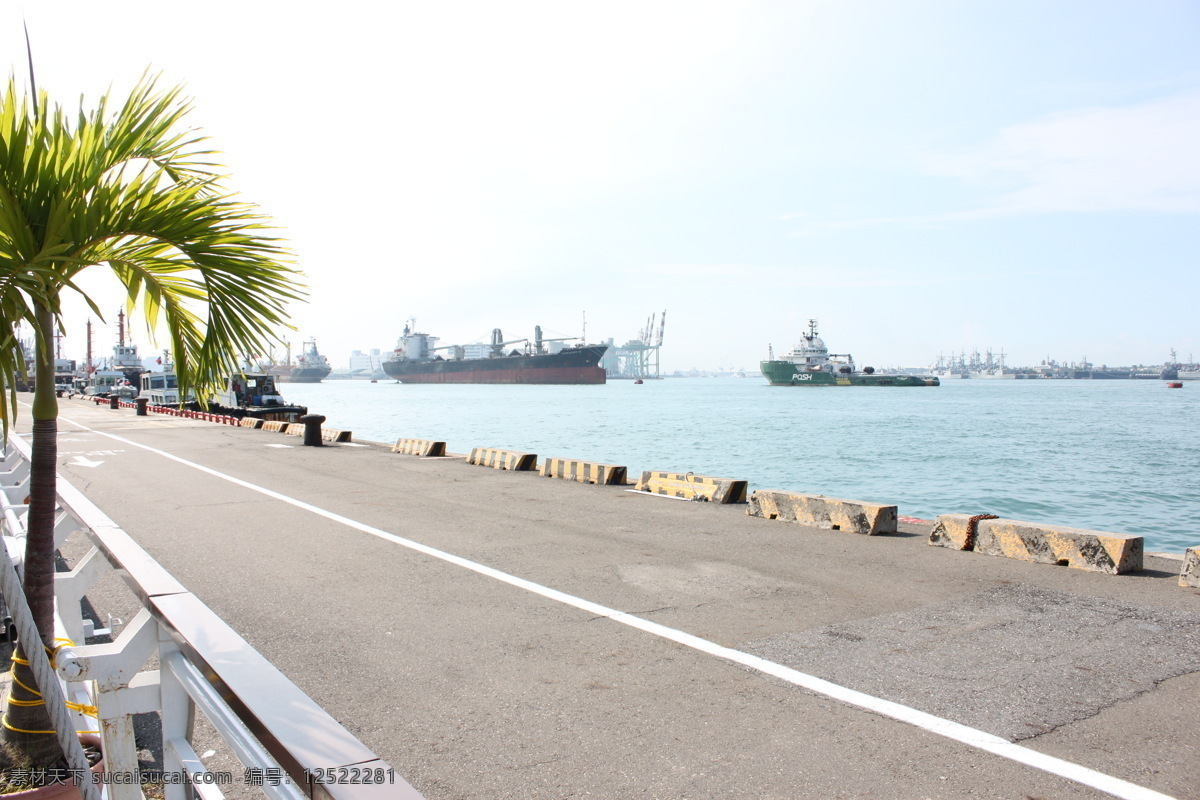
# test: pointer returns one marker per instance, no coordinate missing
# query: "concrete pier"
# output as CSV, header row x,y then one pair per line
x,y
493,634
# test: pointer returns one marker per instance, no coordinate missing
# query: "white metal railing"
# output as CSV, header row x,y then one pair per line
x,y
202,664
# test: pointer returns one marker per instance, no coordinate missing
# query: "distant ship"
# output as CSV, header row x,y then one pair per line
x,y
1085,370
811,364
1104,374
978,367
309,367
1184,370
949,369
416,360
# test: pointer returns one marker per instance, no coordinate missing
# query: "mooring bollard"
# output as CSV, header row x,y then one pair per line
x,y
142,402
114,401
312,429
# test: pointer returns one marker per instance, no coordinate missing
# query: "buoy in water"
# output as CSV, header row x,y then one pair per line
x,y
639,380
1175,385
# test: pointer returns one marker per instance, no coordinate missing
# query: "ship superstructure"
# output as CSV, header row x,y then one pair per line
x,y
125,356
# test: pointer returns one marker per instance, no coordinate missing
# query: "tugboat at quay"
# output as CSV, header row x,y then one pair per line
x,y
811,364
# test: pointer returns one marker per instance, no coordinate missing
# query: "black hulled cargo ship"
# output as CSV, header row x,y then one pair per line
x,y
417,360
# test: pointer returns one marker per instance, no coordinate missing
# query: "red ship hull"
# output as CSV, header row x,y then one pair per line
x,y
562,375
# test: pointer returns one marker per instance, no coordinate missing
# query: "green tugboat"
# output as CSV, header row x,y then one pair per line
x,y
811,364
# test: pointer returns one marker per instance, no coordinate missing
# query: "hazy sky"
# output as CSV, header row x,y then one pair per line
x,y
921,176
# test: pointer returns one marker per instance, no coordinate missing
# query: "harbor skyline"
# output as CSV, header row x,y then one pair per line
x,y
923,178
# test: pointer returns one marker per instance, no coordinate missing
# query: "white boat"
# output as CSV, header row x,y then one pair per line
x,y
162,388
109,382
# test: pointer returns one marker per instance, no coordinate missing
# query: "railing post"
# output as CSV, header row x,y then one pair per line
x,y
178,719
64,526
71,587
119,691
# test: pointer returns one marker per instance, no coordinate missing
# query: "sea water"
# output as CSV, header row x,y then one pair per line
x,y
1119,456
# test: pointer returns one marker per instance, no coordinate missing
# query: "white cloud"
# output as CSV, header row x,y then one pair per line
x,y
1135,158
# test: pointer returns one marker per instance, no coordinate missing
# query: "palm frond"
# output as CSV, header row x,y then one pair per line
x,y
128,186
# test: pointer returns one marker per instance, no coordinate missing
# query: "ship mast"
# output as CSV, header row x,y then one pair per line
x,y
121,328
89,346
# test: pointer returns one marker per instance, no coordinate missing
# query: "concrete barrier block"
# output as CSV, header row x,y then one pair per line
x,y
689,486
583,471
334,435
956,531
1189,573
250,422
819,511
427,448
1095,551
294,428
502,459
276,426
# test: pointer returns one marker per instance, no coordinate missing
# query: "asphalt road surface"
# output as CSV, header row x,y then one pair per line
x,y
502,635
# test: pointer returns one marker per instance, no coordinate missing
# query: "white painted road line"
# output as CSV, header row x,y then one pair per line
x,y
928,722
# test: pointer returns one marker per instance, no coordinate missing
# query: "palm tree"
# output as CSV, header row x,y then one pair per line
x,y
128,189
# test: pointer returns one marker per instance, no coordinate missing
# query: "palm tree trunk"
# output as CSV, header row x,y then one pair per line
x,y
28,742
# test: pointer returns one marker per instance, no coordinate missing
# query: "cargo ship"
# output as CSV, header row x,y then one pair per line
x,y
417,359
811,364
309,367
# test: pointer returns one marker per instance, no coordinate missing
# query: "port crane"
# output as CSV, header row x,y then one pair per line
x,y
638,358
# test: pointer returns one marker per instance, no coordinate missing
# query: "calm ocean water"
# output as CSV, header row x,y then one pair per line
x,y
1120,456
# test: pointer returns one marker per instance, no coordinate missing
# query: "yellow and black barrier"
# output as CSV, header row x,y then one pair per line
x,y
1189,573
275,425
692,487
1095,551
584,471
502,459
427,448
956,531
818,511
250,422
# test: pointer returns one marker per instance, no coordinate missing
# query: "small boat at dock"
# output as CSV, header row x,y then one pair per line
x,y
253,393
